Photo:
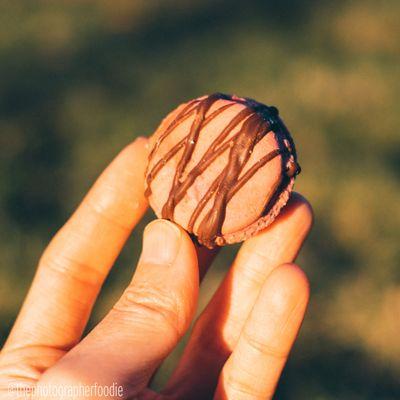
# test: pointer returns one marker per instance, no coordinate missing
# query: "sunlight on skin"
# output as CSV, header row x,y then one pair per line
x,y
156,309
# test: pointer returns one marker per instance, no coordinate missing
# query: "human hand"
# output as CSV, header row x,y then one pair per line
x,y
239,344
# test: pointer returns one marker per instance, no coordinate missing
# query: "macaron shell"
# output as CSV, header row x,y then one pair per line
x,y
261,223
242,218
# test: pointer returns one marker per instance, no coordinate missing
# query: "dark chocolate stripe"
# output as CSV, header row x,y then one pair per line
x,y
163,160
210,226
254,168
187,111
256,123
190,143
207,158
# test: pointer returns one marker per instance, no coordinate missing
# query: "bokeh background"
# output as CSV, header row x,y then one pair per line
x,y
81,79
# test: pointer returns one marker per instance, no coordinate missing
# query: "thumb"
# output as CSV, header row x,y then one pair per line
x,y
145,324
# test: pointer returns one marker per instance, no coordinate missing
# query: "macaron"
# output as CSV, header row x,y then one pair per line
x,y
222,167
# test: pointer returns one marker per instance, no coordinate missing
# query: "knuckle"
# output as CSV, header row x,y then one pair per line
x,y
68,267
144,303
104,210
254,264
238,388
263,347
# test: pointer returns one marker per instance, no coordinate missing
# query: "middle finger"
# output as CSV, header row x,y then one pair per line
x,y
218,328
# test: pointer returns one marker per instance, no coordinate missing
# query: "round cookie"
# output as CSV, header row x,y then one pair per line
x,y
222,167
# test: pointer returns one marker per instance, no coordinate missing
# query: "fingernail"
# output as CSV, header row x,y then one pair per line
x,y
161,242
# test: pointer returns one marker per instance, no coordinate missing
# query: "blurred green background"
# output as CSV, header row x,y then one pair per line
x,y
80,79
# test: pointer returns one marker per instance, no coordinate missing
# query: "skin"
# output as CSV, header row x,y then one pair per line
x,y
238,346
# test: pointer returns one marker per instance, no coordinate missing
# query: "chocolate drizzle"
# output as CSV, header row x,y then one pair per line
x,y
257,121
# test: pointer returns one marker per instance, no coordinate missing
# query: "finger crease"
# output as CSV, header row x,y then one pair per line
x,y
263,347
102,212
241,388
73,269
138,309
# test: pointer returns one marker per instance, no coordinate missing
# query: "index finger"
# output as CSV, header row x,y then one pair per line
x,y
77,260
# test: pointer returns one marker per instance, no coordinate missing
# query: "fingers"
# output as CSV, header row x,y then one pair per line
x,y
145,324
216,332
77,260
254,368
